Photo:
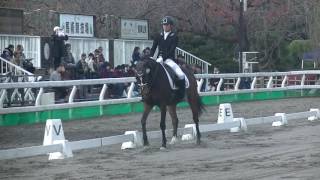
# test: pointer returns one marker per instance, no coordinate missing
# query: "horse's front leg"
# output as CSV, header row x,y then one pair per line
x,y
175,121
147,109
163,109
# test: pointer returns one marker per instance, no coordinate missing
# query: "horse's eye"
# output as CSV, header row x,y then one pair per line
x,y
148,70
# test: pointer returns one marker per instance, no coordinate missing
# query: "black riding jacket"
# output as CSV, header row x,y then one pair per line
x,y
166,47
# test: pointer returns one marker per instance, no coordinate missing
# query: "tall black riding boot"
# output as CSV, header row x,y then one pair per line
x,y
182,87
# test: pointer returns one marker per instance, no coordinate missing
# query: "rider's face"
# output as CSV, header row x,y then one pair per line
x,y
166,27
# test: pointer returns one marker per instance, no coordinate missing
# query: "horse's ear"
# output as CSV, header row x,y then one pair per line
x,y
148,70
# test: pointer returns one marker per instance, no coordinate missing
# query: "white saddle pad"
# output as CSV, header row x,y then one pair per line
x,y
172,85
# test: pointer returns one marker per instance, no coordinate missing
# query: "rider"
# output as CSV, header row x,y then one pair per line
x,y
167,42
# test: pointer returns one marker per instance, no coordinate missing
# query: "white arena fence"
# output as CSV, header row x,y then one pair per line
x,y
59,148
256,82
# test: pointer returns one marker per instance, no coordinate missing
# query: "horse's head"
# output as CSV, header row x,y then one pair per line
x,y
144,75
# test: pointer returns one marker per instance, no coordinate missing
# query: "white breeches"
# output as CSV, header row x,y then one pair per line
x,y
175,67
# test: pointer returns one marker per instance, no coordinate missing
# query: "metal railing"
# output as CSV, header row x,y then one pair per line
x,y
192,59
271,81
7,66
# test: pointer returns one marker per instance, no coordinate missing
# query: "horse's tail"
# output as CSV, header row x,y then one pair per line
x,y
200,105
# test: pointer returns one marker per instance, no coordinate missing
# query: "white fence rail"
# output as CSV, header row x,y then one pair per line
x,y
313,114
271,81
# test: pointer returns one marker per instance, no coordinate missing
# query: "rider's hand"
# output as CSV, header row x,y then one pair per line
x,y
160,60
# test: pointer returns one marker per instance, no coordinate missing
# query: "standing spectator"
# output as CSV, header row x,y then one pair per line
x,y
93,66
82,67
17,59
97,56
101,58
58,39
19,50
69,62
8,53
136,55
60,92
82,73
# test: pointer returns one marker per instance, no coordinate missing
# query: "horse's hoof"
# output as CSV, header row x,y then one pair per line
x,y
198,142
163,148
174,140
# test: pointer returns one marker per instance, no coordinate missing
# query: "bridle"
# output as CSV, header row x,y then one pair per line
x,y
146,87
141,85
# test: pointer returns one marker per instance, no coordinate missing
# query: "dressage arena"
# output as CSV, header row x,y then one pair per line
x,y
263,152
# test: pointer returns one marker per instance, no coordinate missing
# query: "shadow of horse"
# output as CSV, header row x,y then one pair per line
x,y
156,91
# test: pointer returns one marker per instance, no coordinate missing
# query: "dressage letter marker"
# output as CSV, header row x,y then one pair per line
x,y
54,135
225,113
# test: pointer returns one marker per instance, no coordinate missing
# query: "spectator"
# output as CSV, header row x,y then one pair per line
x,y
136,55
60,92
106,71
22,57
98,57
69,62
82,73
93,66
17,59
8,53
82,67
58,39
145,53
101,58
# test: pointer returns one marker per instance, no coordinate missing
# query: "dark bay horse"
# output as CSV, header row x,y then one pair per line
x,y
156,91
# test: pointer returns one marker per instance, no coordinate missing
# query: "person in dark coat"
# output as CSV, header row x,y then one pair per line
x,y
167,42
58,49
136,55
8,53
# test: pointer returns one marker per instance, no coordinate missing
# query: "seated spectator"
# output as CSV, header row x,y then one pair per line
x,y
69,62
106,71
60,92
145,53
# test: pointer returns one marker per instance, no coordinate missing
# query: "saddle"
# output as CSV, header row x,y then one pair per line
x,y
172,76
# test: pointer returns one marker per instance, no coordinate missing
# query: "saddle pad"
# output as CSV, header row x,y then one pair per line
x,y
172,85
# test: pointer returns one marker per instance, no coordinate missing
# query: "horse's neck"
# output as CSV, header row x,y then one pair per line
x,y
159,78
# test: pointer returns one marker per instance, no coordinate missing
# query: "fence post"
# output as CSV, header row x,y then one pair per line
x,y
269,85
38,99
284,81
73,92
253,84
130,90
103,92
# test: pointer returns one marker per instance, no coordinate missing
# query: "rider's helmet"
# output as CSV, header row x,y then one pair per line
x,y
167,20
56,28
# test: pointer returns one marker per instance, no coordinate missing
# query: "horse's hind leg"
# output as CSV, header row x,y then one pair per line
x,y
193,102
163,125
175,121
147,109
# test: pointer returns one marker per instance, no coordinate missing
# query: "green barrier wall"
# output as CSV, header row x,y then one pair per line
x,y
137,107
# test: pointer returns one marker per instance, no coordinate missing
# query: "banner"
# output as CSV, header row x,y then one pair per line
x,y
77,25
134,29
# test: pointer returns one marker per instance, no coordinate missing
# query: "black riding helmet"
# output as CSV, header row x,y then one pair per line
x,y
167,20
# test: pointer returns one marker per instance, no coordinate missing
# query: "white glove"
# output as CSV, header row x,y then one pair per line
x,y
160,60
